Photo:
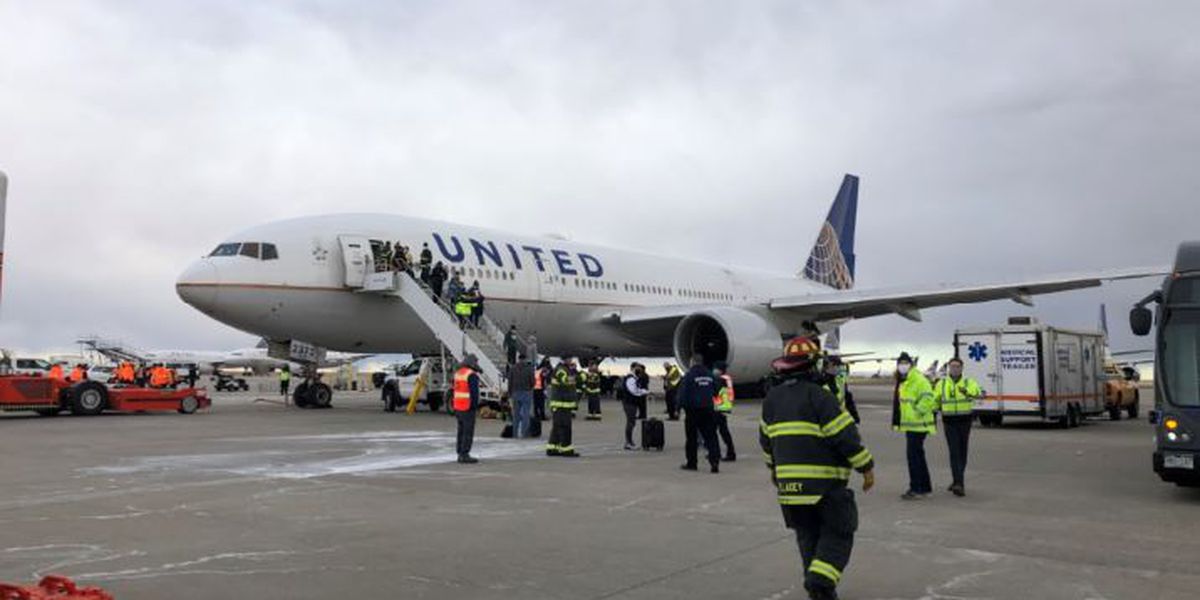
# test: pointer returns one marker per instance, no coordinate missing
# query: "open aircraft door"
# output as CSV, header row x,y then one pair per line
x,y
357,258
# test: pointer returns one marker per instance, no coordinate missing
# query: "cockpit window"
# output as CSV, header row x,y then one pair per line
x,y
226,250
250,249
255,250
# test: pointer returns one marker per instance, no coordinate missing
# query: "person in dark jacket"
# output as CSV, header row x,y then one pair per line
x,y
811,445
465,402
695,397
632,393
520,389
426,263
511,345
437,279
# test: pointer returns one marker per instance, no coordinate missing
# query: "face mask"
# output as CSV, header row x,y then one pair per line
x,y
956,373
903,368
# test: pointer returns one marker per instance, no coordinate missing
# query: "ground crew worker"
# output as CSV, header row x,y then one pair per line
x,y
672,376
956,396
126,373
835,381
589,383
285,380
564,400
160,377
696,392
810,445
723,405
540,378
462,309
633,398
56,371
78,373
913,413
464,403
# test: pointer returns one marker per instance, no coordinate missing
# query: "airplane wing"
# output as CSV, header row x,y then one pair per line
x,y
904,301
908,301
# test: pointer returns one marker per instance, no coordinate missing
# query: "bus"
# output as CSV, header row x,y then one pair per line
x,y
1176,414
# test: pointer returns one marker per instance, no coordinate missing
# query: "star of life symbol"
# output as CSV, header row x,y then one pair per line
x,y
977,351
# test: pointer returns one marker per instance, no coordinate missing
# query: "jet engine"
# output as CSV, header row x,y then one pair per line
x,y
745,340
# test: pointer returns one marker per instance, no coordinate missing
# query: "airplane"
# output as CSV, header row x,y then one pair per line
x,y
255,359
296,279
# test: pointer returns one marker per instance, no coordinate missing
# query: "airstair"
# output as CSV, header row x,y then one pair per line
x,y
486,342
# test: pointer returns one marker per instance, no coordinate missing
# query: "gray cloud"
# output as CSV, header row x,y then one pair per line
x,y
995,140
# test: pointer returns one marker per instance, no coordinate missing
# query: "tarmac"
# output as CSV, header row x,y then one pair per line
x,y
256,500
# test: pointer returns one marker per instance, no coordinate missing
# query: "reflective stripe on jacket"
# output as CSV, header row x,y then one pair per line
x,y
723,401
917,404
563,394
809,443
957,398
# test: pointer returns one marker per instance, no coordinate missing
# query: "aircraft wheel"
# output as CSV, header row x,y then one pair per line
x,y
300,396
88,398
322,396
189,405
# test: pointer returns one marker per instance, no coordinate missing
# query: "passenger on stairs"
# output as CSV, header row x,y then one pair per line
x,y
426,263
510,345
437,279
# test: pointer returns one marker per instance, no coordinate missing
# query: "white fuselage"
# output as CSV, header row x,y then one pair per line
x,y
555,289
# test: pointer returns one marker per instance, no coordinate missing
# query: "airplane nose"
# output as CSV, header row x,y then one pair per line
x,y
198,284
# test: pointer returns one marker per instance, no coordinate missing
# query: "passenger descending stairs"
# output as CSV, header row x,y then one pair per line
x,y
486,343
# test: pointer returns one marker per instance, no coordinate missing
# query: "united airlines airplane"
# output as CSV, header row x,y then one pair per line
x,y
296,280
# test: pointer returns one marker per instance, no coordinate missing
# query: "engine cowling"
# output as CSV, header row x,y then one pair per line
x,y
747,341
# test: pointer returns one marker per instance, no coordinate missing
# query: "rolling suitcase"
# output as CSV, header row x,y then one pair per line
x,y
653,435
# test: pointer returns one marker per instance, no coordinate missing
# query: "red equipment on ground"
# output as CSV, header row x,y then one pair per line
x,y
48,396
52,587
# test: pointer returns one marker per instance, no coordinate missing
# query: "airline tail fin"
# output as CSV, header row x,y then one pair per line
x,y
831,261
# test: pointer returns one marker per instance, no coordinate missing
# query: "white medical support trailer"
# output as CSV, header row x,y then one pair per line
x,y
1028,369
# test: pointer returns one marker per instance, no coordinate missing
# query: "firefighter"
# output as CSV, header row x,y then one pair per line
x,y
564,400
589,381
78,373
835,381
672,376
56,371
913,412
464,403
125,373
956,394
723,403
810,445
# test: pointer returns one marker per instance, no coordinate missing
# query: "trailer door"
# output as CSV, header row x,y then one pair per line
x,y
1019,367
978,352
1093,396
1067,388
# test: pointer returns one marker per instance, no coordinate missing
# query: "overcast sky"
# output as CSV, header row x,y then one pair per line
x,y
995,140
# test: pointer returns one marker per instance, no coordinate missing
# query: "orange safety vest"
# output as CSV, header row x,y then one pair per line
x,y
539,382
55,372
125,374
159,377
462,390
77,374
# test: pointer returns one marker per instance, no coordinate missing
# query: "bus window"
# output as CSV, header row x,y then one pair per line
x,y
226,250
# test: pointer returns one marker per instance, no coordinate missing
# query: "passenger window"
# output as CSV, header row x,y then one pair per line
x,y
226,250
269,252
250,249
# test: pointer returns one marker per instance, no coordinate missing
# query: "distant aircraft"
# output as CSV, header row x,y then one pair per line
x,y
254,359
306,279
